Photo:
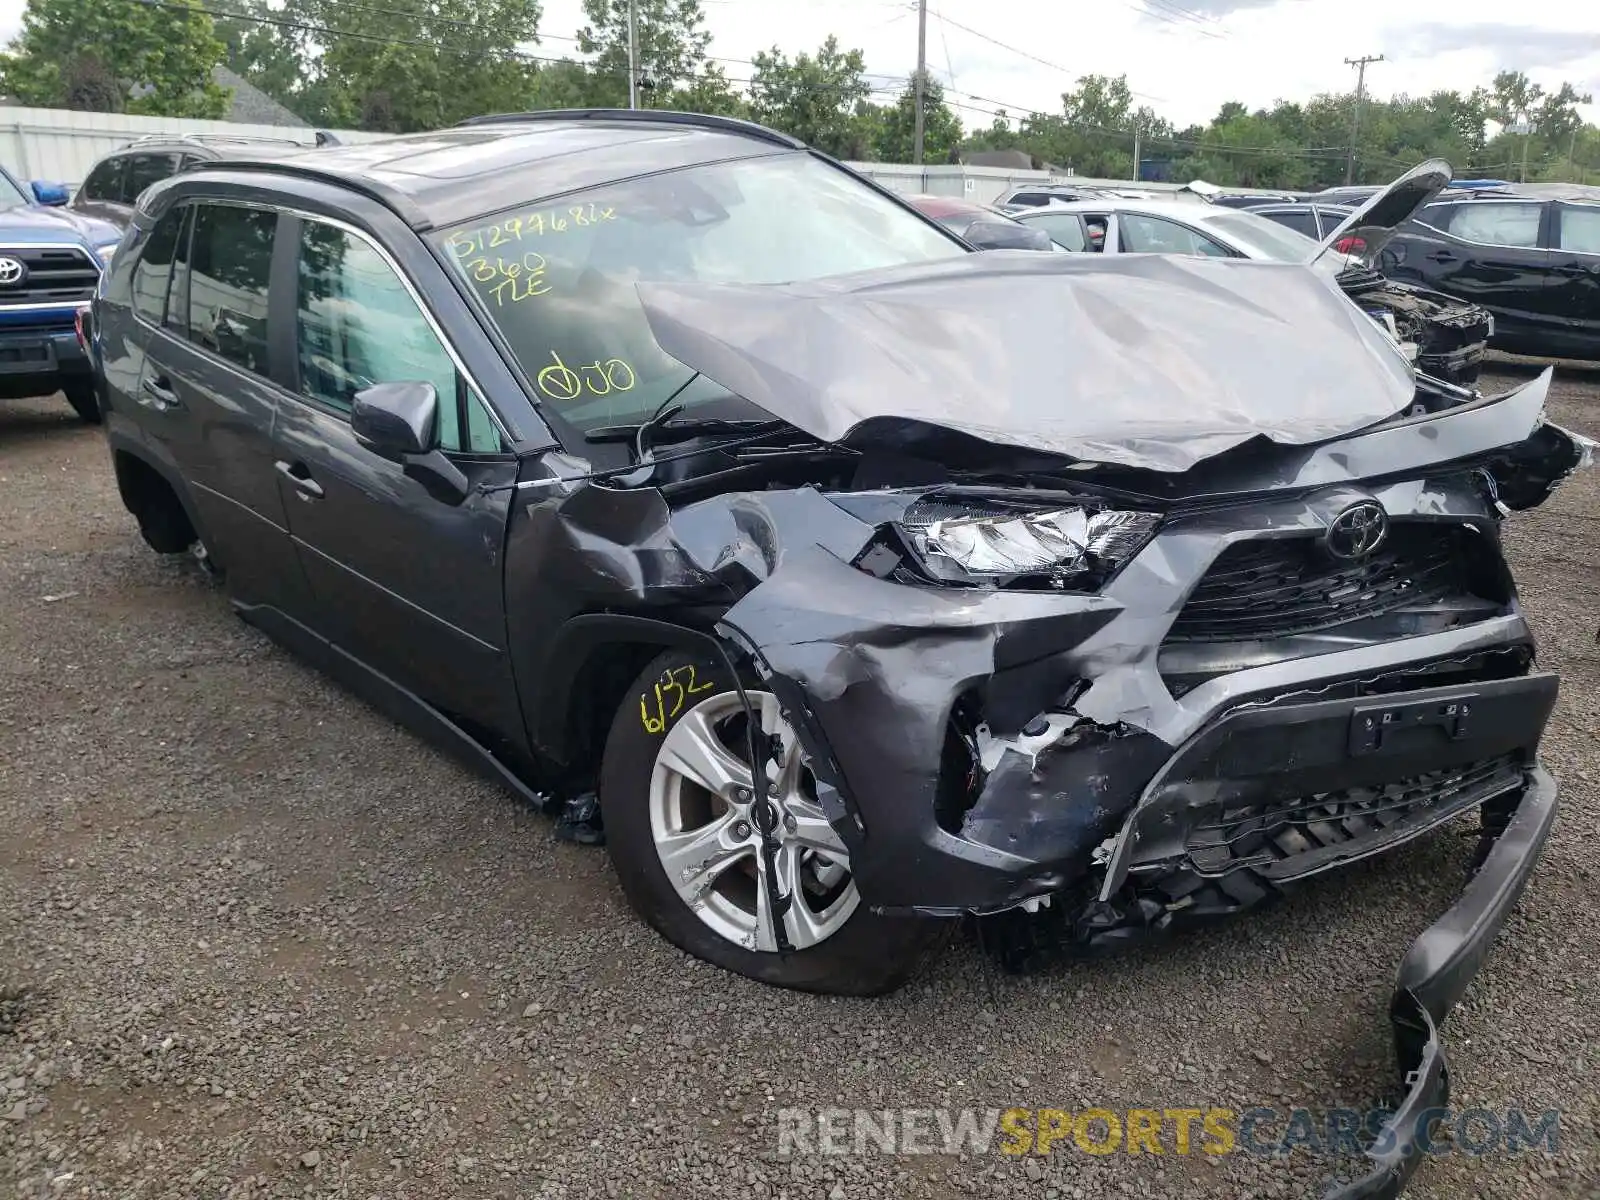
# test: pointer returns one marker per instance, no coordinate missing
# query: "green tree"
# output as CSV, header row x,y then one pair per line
x,y
117,57
710,92
895,135
263,46
447,60
670,41
820,99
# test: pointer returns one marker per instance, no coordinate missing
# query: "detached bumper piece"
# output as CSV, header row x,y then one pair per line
x,y
1435,973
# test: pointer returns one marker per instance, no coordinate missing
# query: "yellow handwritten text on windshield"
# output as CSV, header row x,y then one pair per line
x,y
510,280
533,224
561,382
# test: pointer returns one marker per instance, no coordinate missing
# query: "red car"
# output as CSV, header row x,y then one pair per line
x,y
980,225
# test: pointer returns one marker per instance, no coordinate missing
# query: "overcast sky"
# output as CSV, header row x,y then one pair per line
x,y
1184,57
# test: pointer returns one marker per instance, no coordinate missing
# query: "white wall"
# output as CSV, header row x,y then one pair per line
x,y
60,145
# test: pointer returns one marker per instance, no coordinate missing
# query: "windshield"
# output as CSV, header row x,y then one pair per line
x,y
1264,238
11,194
558,277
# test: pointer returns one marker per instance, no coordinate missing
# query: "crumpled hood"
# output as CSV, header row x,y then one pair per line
x,y
1143,360
28,225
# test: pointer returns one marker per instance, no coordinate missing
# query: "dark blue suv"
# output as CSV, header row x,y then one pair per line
x,y
50,264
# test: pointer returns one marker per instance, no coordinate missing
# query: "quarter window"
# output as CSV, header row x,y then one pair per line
x,y
1497,224
152,274
1580,230
230,265
358,325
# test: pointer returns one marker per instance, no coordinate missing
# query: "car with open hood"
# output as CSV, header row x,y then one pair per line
x,y
869,581
1445,336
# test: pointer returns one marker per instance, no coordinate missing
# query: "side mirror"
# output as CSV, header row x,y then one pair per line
x,y
53,195
400,421
396,419
1006,235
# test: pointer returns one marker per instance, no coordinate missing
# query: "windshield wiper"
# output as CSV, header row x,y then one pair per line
x,y
672,431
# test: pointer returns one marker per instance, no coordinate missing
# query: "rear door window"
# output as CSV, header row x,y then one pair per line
x,y
105,181
1437,216
1493,223
145,170
229,269
152,274
1064,229
1140,234
1300,220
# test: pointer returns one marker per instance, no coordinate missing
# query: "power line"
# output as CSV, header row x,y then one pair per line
x,y
1043,62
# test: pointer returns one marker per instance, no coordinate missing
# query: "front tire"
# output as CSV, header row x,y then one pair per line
x,y
80,394
683,832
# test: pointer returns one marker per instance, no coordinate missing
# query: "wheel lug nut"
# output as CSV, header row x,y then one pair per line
x,y
742,795
789,823
741,829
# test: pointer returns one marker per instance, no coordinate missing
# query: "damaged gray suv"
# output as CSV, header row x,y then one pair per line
x,y
866,579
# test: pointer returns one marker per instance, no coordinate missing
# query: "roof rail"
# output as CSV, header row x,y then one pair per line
x,y
659,116
206,138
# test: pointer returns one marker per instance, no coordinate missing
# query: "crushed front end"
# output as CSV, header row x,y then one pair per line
x,y
1283,676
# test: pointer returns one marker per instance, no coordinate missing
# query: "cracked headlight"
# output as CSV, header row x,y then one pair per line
x,y
1070,548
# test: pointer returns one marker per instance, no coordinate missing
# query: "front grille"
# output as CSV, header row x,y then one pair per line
x,y
1286,839
1283,586
55,275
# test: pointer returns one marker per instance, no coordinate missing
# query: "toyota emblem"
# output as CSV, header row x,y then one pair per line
x,y
1357,531
12,272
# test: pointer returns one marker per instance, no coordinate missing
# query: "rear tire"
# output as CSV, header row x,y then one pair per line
x,y
651,807
81,395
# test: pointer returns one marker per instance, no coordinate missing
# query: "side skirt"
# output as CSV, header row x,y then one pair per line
x,y
399,704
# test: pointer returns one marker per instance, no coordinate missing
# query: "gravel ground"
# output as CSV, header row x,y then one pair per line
x,y
259,942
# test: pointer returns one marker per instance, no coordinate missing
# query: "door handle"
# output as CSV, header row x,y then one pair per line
x,y
1576,269
1442,256
159,389
296,474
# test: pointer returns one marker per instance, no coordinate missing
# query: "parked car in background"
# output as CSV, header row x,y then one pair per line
x,y
1531,257
1447,336
1252,199
980,225
1036,195
1315,221
873,582
50,264
1355,193
115,183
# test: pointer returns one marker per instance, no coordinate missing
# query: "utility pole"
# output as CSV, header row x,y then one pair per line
x,y
1527,136
1137,133
1360,64
922,74
633,56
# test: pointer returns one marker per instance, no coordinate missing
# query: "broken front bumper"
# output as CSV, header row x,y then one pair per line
x,y
1434,974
